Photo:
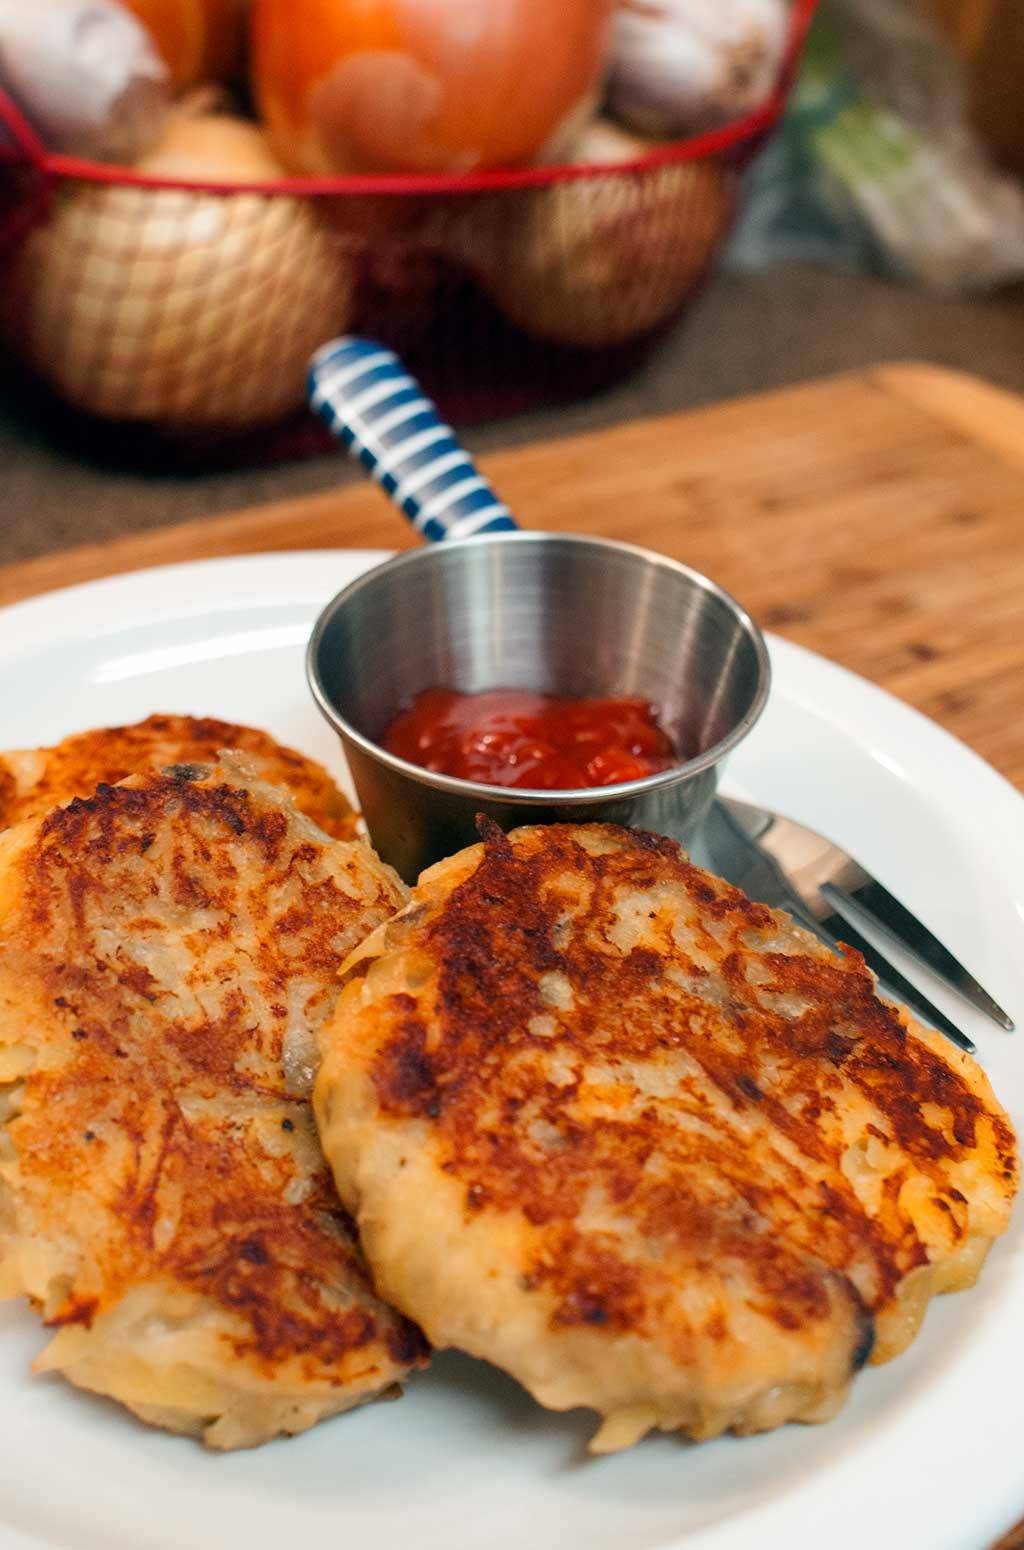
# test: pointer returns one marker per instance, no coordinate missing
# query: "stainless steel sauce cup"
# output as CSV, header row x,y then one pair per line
x,y
551,613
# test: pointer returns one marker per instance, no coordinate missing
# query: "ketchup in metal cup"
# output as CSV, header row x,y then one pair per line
x,y
512,737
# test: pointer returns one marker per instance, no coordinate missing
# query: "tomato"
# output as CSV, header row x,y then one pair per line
x,y
512,737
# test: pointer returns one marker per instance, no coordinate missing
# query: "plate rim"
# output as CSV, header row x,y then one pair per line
x,y
245,572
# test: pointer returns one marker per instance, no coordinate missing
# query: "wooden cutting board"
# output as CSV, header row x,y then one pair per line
x,y
877,517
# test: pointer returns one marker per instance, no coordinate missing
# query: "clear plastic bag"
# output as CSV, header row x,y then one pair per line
x,y
876,165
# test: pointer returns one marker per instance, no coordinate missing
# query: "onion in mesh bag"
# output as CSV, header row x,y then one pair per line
x,y
175,306
599,260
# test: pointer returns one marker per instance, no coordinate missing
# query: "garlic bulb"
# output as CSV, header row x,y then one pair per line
x,y
85,74
681,66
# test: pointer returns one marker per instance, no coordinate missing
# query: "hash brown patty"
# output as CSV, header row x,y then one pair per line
x,y
167,949
34,780
645,1144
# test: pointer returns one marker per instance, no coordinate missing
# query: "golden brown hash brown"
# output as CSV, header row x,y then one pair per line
x,y
167,950
645,1144
34,780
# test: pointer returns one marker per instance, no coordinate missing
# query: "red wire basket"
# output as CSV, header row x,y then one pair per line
x,y
195,308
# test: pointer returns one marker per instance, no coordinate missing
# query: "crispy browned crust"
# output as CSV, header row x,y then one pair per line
x,y
705,1079
34,781
493,941
169,947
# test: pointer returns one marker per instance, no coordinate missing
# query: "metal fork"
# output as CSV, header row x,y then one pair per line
x,y
787,866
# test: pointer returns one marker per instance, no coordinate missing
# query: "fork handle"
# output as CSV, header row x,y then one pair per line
x,y
370,402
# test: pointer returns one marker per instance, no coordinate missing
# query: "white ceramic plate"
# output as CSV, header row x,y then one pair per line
x,y
927,1453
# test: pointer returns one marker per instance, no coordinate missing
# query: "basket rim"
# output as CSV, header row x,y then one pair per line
x,y
738,132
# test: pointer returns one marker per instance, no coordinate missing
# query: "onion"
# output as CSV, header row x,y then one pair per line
x,y
85,74
600,260
206,145
201,40
179,307
423,85
679,66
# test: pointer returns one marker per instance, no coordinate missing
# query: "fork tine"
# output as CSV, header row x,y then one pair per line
x,y
839,929
742,843
884,910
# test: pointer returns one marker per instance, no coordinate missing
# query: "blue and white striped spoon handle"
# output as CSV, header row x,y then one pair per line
x,y
370,402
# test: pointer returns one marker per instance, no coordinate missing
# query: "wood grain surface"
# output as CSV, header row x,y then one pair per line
x,y
877,518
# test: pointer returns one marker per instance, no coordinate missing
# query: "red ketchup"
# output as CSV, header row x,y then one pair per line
x,y
511,737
